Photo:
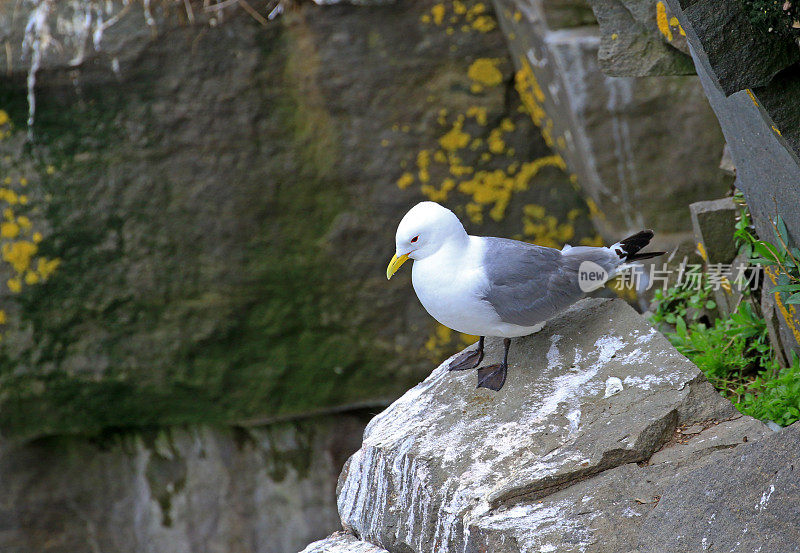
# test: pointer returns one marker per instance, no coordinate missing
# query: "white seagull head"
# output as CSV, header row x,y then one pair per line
x,y
423,230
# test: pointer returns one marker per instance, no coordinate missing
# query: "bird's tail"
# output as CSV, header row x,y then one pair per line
x,y
628,249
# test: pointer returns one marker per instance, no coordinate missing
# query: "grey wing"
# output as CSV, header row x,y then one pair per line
x,y
529,284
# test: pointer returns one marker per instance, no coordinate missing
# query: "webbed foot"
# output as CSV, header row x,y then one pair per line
x,y
492,377
468,359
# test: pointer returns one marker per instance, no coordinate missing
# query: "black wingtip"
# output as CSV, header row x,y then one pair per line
x,y
646,255
632,244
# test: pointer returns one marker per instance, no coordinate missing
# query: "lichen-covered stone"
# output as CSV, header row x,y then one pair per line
x,y
222,201
714,223
640,39
767,166
640,148
550,462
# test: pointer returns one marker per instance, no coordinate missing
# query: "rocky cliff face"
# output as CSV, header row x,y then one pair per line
x,y
192,489
751,77
194,232
601,440
212,203
641,148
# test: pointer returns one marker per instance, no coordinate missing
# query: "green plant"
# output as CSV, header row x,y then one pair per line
x,y
735,353
730,351
773,397
684,301
783,257
773,16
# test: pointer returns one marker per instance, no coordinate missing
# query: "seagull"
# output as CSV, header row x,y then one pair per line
x,y
488,286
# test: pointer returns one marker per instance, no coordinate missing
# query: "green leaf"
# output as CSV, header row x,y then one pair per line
x,y
794,298
782,229
766,250
711,304
785,288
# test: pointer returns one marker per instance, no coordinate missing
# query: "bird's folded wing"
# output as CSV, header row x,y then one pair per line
x,y
529,284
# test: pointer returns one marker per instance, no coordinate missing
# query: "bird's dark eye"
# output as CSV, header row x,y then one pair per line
x,y
414,239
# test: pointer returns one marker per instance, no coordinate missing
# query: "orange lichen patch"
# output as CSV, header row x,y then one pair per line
x,y
456,138
443,340
9,229
594,211
438,194
673,22
475,212
405,180
484,24
789,313
484,72
661,21
752,96
778,132
478,113
423,163
544,229
701,249
530,93
495,188
517,16
19,254
437,13
595,241
496,143
19,242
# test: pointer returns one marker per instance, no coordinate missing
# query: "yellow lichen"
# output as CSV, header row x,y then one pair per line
x,y
789,312
484,72
456,138
405,180
484,24
442,340
661,21
437,12
9,229
596,241
544,229
478,113
423,162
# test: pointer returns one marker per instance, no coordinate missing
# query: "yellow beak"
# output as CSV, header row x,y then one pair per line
x,y
394,264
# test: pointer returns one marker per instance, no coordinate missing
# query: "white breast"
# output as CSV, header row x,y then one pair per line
x,y
450,283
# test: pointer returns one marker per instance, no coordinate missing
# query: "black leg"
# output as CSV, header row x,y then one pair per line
x,y
468,359
494,376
